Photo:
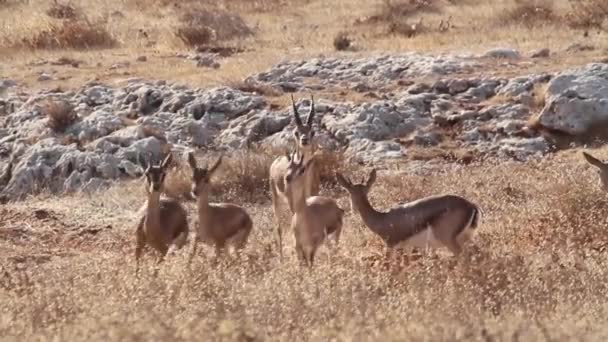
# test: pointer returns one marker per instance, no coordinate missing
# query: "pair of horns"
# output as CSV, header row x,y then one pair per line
x,y
311,114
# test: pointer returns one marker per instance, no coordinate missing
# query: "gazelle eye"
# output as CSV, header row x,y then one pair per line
x,y
297,134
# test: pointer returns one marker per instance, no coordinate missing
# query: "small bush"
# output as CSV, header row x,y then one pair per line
x,y
62,11
342,41
60,115
586,14
77,34
529,13
201,27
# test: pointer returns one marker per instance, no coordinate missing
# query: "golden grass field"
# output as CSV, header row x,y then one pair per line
x,y
536,270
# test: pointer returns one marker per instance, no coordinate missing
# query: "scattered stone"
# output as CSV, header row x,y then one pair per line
x,y
44,77
142,59
505,53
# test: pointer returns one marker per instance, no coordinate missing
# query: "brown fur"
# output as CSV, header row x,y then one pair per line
x,y
314,217
219,224
447,220
163,221
304,137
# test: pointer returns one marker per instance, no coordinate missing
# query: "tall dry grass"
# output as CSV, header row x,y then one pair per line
x,y
537,269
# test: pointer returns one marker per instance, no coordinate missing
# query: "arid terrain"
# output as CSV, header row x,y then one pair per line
x,y
477,98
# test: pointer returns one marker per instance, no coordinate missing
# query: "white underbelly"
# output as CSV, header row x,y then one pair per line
x,y
423,239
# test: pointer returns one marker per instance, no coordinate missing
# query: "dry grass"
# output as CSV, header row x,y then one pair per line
x,y
531,13
60,114
535,271
69,34
588,14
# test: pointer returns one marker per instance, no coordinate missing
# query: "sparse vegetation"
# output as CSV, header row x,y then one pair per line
x,y
59,10
69,34
529,13
537,269
527,275
61,115
588,14
201,27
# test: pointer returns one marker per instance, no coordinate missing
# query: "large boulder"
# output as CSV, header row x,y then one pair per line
x,y
577,100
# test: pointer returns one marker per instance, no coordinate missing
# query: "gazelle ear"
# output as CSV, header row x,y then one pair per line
x,y
371,179
167,161
342,180
191,160
593,161
216,165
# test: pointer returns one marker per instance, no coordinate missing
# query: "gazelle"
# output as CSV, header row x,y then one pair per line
x,y
602,169
435,221
218,223
314,217
304,136
164,221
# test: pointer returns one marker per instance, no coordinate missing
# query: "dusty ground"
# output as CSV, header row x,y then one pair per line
x,y
535,271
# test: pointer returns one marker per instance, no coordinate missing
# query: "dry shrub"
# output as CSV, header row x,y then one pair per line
x,y
342,41
77,34
202,27
251,86
397,10
586,14
529,13
60,114
62,11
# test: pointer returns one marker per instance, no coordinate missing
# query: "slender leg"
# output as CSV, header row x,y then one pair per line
x,y
140,239
193,249
453,246
277,210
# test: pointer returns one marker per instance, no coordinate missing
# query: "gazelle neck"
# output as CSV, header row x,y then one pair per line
x,y
370,216
153,209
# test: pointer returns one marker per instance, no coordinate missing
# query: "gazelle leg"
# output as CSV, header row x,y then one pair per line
x,y
453,246
277,210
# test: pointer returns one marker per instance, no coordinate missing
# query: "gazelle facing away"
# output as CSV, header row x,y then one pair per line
x,y
164,221
304,137
602,169
315,217
218,223
430,222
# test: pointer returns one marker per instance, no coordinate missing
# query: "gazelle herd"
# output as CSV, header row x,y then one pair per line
x,y
432,222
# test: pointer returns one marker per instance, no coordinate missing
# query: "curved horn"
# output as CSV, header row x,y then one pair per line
x,y
311,114
296,115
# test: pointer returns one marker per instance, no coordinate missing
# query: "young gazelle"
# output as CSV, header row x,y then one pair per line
x,y
314,217
306,145
163,221
218,223
435,221
602,169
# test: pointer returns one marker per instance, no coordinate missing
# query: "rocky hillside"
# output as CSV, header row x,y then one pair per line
x,y
380,108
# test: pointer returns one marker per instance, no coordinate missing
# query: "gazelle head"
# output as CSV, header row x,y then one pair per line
x,y
155,175
296,167
358,192
304,134
201,176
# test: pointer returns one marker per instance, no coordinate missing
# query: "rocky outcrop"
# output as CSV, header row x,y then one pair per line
x,y
577,100
118,129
